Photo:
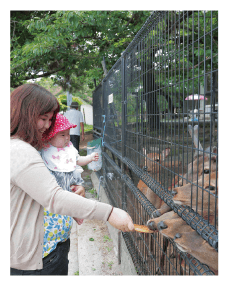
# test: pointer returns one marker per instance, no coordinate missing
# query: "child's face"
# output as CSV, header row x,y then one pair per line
x,y
61,139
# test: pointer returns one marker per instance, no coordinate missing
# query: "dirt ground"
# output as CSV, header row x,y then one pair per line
x,y
104,259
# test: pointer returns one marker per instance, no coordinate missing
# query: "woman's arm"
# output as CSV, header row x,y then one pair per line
x,y
29,173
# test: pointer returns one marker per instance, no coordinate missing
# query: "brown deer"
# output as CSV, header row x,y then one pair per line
x,y
172,226
154,161
204,162
187,240
200,196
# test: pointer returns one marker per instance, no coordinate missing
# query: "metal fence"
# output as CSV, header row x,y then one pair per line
x,y
157,114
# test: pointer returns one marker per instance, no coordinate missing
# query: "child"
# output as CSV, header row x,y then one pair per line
x,y
62,160
60,156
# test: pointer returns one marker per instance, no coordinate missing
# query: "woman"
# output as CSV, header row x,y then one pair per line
x,y
33,112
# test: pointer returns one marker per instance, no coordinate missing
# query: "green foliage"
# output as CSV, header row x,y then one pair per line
x,y
110,264
72,44
69,44
62,99
106,238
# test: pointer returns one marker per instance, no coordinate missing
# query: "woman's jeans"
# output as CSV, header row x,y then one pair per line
x,y
56,263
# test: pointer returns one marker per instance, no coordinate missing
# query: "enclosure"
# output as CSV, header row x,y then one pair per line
x,y
157,114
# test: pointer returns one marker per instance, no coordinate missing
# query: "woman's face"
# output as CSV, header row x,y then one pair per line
x,y
61,139
45,121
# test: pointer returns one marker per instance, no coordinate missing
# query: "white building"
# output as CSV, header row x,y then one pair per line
x,y
87,112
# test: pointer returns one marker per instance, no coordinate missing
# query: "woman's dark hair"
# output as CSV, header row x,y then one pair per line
x,y
27,103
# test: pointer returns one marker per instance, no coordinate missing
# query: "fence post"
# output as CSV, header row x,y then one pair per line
x,y
124,193
102,133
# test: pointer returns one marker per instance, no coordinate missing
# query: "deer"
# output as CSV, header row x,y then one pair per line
x,y
172,226
200,196
154,161
204,163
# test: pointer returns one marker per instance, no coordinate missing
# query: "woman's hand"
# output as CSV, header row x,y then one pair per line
x,y
121,220
79,190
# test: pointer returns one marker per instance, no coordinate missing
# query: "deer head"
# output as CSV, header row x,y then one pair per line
x,y
200,196
154,160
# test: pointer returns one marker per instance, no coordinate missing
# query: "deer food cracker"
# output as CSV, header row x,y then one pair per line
x,y
142,228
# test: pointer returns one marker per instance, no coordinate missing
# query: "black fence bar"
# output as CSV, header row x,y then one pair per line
x,y
157,113
208,232
115,196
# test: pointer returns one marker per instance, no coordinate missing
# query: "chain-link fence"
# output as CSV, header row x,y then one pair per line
x,y
157,114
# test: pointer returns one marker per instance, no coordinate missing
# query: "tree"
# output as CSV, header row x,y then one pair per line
x,y
69,44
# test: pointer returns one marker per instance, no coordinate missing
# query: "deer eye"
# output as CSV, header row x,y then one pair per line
x,y
206,171
157,160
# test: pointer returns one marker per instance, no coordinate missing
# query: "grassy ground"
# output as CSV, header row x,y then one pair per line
x,y
88,128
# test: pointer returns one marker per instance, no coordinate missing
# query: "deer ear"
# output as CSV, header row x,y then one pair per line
x,y
165,153
213,158
214,151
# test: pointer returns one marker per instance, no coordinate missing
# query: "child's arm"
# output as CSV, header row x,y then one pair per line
x,y
84,160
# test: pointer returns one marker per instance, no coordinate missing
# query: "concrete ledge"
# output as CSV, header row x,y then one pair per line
x,y
127,265
73,266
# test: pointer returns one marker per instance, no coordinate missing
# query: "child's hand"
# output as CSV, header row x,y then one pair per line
x,y
78,190
94,156
78,220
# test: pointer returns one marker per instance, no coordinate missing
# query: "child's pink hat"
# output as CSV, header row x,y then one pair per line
x,y
61,124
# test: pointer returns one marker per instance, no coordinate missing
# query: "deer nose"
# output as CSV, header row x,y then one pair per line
x,y
145,168
161,225
151,225
177,235
174,192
